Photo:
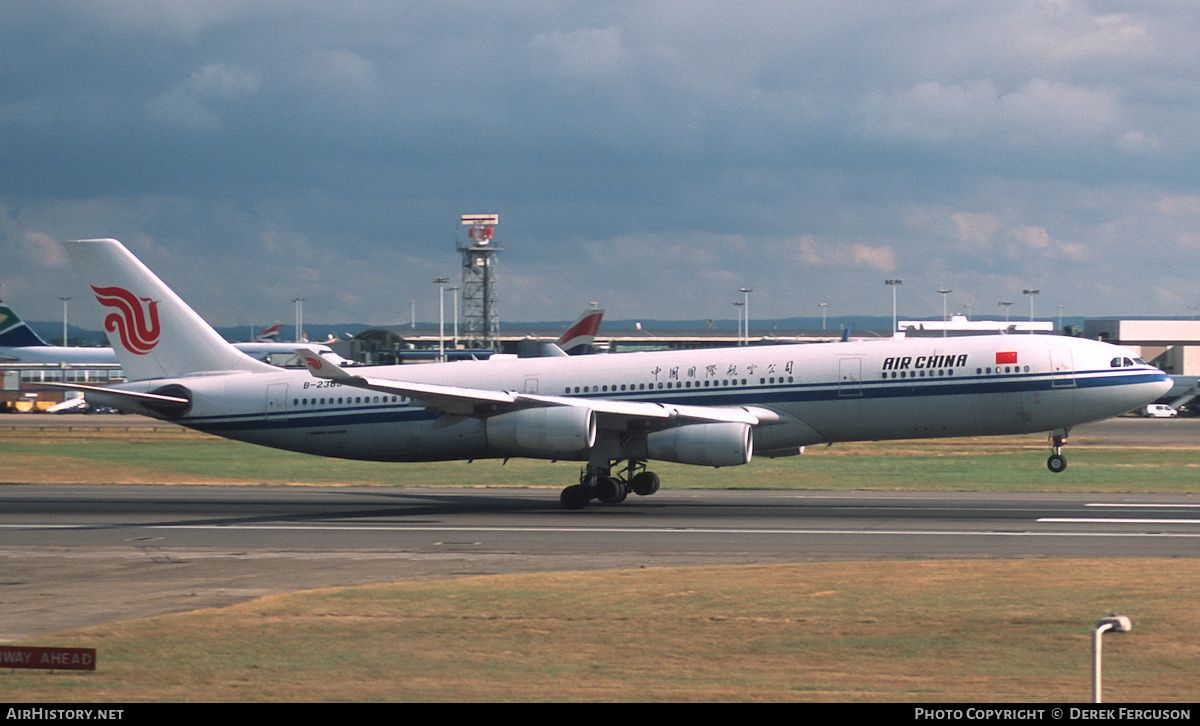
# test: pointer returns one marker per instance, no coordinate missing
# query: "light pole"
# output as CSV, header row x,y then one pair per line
x,y
1006,305
65,300
1030,293
824,309
893,284
299,301
441,283
739,307
454,291
746,302
944,292
1115,623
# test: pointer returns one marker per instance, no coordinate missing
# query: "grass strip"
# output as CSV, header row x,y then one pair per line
x,y
1013,463
959,631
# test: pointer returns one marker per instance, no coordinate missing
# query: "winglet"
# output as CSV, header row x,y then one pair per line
x,y
320,366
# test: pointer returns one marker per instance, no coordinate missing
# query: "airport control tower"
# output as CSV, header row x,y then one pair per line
x,y
480,316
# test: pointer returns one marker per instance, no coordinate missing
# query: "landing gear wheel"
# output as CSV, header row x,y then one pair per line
x,y
644,484
1056,463
598,481
611,490
574,497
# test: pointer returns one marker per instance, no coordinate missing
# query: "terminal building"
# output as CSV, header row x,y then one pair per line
x,y
1171,345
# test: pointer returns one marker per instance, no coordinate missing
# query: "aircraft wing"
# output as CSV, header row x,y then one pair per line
x,y
478,401
647,410
451,399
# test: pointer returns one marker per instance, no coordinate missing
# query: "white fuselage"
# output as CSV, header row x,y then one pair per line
x,y
853,391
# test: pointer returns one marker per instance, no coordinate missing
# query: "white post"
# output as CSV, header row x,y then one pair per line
x,y
1115,623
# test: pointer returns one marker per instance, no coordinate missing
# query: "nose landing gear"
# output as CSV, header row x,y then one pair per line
x,y
1057,462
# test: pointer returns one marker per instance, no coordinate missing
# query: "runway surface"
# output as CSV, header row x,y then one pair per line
x,y
77,555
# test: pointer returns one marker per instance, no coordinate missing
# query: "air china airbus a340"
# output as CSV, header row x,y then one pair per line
x,y
714,407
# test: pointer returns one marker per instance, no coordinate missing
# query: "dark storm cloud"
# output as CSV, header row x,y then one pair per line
x,y
653,156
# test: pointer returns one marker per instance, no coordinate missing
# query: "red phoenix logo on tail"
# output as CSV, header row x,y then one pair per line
x,y
130,320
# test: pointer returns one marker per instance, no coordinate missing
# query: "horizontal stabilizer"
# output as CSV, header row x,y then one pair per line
x,y
151,403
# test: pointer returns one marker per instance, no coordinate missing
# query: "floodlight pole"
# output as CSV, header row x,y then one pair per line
x,y
1030,293
65,300
1115,623
892,284
454,293
746,302
944,292
441,283
739,306
299,302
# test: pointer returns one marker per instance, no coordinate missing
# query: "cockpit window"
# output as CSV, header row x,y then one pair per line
x,y
1115,363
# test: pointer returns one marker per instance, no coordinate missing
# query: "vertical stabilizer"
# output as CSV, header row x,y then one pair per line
x,y
14,333
581,336
154,332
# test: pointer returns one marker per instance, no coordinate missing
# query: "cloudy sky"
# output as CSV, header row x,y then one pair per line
x,y
651,156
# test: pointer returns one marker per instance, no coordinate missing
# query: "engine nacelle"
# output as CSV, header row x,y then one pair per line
x,y
706,444
562,430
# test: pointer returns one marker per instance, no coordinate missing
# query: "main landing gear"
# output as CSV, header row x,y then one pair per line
x,y
597,481
1057,462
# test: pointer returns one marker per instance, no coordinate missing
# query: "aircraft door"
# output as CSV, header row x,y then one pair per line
x,y
276,403
1062,368
850,378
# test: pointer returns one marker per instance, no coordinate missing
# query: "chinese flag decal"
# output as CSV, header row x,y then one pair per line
x,y
1008,357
